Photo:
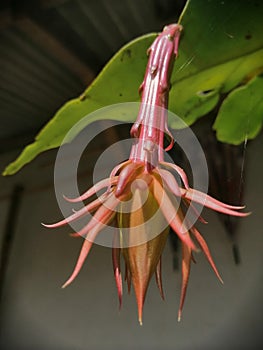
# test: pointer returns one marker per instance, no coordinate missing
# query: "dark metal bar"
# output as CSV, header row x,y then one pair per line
x,y
9,234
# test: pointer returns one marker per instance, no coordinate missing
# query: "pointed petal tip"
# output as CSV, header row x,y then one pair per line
x,y
71,200
185,238
50,225
189,242
212,203
75,235
218,276
55,225
236,213
65,284
140,309
118,281
202,220
179,316
158,278
65,197
68,281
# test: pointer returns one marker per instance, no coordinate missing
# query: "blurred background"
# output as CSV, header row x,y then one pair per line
x,y
49,52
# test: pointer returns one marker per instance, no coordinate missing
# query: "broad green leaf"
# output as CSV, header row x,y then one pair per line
x,y
246,103
118,82
221,48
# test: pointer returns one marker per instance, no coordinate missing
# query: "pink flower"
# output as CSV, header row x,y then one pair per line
x,y
145,187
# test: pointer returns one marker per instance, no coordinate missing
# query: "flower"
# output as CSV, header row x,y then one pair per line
x,y
142,197
144,259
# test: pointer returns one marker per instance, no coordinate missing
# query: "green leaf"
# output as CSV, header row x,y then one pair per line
x,y
118,82
246,103
221,48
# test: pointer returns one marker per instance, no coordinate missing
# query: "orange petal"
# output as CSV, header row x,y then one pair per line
x,y
186,265
158,277
172,215
117,268
92,233
142,260
206,251
126,176
128,278
102,214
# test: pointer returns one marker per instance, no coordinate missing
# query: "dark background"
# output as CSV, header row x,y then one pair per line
x,y
49,52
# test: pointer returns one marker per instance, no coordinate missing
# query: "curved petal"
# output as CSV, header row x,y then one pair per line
x,y
127,277
94,189
125,176
158,277
105,211
179,170
195,211
206,251
212,203
86,248
117,267
79,213
171,214
168,132
186,265
169,181
118,167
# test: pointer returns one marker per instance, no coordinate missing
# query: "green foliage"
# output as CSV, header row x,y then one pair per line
x,y
221,50
246,104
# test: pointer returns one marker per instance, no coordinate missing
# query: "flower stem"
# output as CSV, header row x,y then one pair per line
x,y
151,123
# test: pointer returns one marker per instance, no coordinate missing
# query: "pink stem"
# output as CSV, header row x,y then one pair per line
x,y
151,122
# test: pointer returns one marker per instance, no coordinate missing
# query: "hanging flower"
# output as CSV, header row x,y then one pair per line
x,y
142,197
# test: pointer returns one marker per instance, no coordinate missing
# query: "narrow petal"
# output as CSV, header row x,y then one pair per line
x,y
82,257
195,211
186,265
75,235
170,181
206,251
104,212
171,214
94,189
142,259
96,224
158,278
179,170
128,277
212,203
86,248
168,132
126,176
117,268
118,167
79,213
